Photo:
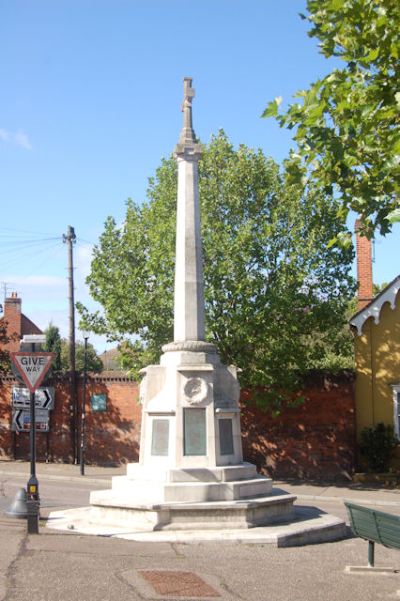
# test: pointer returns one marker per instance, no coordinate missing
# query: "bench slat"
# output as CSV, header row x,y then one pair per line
x,y
374,525
363,522
389,529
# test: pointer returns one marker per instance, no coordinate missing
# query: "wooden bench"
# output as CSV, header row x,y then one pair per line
x,y
375,527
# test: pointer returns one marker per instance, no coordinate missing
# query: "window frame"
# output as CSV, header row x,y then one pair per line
x,y
396,409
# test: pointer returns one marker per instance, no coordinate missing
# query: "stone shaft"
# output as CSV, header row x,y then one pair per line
x,y
189,283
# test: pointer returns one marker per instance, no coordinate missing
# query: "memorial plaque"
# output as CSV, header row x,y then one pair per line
x,y
160,437
194,431
98,402
225,436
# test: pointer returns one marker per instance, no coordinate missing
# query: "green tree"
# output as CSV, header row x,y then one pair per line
x,y
347,124
271,282
53,345
5,363
60,346
93,361
378,288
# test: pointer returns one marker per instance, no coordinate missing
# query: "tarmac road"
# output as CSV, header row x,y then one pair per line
x,y
55,566
55,492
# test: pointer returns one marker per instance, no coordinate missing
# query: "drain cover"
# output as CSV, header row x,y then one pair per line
x,y
171,583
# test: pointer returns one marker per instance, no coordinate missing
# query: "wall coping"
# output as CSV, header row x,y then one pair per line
x,y
109,376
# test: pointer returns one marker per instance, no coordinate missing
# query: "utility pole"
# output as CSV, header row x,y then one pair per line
x,y
69,238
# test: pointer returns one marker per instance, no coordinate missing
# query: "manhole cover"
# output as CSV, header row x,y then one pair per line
x,y
170,583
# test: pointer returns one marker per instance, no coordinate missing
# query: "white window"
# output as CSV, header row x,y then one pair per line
x,y
396,409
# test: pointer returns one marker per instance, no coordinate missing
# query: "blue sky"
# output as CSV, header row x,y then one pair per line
x,y
90,102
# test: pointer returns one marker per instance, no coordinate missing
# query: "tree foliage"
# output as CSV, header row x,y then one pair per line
x,y
275,293
5,362
60,346
53,345
347,124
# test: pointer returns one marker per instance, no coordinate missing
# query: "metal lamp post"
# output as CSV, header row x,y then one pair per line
x,y
83,413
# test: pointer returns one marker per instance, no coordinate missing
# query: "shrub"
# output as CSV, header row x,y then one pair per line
x,y
376,446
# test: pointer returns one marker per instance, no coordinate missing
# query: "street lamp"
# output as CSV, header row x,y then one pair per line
x,y
83,414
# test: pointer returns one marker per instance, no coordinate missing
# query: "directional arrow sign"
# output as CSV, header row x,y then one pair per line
x,y
21,420
44,397
33,367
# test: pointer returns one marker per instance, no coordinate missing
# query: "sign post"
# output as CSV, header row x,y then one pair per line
x,y
32,367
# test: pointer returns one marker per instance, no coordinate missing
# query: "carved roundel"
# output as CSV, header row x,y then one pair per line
x,y
195,390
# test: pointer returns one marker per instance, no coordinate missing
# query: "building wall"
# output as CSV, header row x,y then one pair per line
x,y
315,439
377,367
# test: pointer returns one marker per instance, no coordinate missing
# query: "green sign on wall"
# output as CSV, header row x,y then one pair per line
x,y
98,402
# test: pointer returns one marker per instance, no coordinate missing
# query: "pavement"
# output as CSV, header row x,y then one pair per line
x,y
54,566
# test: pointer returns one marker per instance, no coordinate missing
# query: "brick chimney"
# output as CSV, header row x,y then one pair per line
x,y
364,267
13,318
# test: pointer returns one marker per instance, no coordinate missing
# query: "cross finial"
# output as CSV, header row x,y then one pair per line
x,y
189,93
187,133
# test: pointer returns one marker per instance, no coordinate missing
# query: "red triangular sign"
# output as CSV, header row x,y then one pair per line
x,y
33,367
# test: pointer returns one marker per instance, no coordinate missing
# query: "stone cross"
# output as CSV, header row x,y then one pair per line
x,y
187,134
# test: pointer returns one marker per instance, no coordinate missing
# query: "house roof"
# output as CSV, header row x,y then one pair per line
x,y
110,359
373,309
28,327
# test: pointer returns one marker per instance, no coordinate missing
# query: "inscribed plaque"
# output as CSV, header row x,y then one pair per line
x,y
225,436
194,431
160,437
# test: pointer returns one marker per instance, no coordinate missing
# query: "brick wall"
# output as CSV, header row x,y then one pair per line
x,y
314,440
112,436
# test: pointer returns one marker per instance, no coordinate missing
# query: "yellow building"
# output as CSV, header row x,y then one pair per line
x,y
377,353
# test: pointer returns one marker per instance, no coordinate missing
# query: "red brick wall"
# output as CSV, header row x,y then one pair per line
x,y
112,436
313,440
5,419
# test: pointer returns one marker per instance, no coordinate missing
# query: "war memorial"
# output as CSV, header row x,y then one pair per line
x,y
191,482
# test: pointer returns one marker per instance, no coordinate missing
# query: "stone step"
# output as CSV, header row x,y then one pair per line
x,y
110,508
228,473
157,492
309,526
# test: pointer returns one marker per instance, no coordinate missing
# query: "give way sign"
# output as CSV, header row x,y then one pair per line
x,y
33,367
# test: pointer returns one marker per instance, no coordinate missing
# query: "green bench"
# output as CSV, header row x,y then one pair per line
x,y
375,527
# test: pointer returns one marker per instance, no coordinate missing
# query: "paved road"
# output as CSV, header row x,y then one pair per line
x,y
69,567
55,493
